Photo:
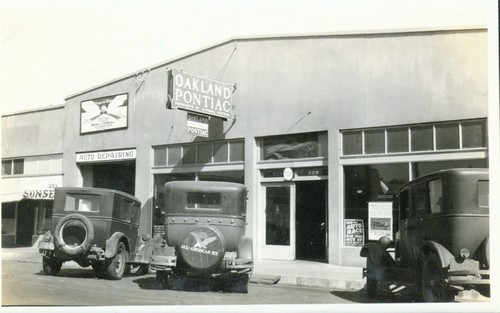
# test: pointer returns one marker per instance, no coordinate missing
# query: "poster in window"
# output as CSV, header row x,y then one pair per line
x,y
379,220
104,114
354,233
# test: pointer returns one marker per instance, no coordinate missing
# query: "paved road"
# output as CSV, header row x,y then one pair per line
x,y
25,284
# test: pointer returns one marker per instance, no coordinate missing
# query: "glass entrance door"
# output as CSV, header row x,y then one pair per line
x,y
277,231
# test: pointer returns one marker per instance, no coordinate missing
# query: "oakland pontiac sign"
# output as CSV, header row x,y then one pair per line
x,y
200,94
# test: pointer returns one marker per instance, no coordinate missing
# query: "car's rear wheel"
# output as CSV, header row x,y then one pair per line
x,y
116,265
434,284
51,266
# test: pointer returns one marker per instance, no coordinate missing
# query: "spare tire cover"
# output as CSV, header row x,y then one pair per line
x,y
202,248
77,221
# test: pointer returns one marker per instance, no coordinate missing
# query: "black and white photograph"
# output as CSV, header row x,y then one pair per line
x,y
249,156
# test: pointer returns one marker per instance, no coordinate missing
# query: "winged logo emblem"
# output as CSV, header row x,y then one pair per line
x,y
202,239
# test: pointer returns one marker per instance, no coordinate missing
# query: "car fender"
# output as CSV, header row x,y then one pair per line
x,y
245,249
112,244
434,247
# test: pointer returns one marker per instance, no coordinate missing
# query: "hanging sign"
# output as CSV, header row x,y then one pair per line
x,y
197,125
354,233
379,220
200,94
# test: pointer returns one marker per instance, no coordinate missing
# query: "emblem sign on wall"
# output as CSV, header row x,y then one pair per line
x,y
104,114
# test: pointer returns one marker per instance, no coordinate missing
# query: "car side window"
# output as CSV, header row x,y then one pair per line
x,y
126,211
404,207
419,199
435,195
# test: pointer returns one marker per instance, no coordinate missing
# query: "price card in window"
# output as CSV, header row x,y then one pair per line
x,y
379,220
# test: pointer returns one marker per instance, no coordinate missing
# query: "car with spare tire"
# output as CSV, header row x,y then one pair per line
x,y
204,235
98,228
441,249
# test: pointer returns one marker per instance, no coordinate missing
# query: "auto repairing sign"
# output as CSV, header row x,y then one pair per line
x,y
200,94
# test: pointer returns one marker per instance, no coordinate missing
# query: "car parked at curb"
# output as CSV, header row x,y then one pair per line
x,y
442,245
95,227
204,224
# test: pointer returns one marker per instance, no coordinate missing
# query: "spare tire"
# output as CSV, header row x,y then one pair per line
x,y
202,248
74,234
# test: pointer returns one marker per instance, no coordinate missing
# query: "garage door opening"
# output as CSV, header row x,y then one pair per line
x,y
119,176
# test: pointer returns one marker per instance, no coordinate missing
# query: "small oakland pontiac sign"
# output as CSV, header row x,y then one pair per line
x,y
197,125
200,94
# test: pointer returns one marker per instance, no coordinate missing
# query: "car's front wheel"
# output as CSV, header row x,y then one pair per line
x,y
51,266
434,283
117,264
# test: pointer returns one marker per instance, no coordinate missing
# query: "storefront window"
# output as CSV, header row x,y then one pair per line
x,y
189,154
424,168
429,137
6,167
374,141
220,152
236,151
174,155
371,183
474,134
421,138
296,146
13,167
160,157
204,153
228,176
447,136
352,143
397,139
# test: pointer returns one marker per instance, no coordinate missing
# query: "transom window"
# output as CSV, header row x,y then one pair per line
x,y
457,135
294,146
199,153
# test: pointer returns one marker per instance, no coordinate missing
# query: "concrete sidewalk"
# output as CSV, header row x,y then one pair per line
x,y
299,273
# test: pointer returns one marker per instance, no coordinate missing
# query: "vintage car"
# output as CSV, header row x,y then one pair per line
x,y
442,245
204,224
95,227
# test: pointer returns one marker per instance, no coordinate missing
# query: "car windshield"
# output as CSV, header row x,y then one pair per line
x,y
82,203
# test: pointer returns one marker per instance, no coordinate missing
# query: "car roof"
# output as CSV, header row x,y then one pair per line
x,y
212,186
452,173
92,190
